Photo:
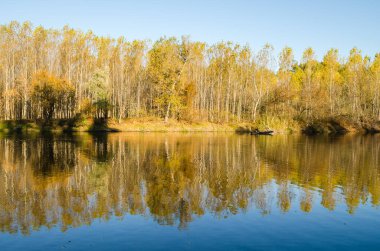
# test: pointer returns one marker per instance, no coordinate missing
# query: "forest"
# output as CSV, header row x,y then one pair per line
x,y
60,74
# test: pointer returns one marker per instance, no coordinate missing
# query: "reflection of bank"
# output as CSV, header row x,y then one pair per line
x,y
100,147
70,181
50,156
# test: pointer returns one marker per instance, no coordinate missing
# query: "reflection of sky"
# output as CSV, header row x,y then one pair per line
x,y
321,24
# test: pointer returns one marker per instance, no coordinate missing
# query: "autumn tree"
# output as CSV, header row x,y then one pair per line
x,y
52,96
165,68
375,86
331,77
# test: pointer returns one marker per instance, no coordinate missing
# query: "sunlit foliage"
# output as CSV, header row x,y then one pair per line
x,y
182,79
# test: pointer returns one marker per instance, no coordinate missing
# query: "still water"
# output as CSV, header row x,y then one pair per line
x,y
157,191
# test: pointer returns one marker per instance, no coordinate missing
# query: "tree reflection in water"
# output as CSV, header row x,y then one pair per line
x,y
71,180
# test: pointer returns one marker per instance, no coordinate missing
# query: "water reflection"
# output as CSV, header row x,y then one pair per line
x,y
68,181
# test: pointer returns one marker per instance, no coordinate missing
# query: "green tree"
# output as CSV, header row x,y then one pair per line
x,y
99,91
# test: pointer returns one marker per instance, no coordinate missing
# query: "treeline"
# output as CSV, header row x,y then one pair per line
x,y
48,73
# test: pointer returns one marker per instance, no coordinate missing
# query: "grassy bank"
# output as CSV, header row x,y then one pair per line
x,y
151,124
112,125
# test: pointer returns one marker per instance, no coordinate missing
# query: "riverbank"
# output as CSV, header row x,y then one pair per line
x,y
152,124
113,125
341,125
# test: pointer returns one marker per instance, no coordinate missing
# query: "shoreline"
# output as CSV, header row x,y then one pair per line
x,y
152,124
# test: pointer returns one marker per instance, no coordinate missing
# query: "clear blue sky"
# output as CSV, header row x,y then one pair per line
x,y
321,24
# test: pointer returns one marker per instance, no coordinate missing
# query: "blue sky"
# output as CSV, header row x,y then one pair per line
x,y
321,24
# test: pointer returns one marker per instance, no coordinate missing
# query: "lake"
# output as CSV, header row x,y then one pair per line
x,y
189,191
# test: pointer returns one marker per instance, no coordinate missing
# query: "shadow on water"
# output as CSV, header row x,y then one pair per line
x,y
174,178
